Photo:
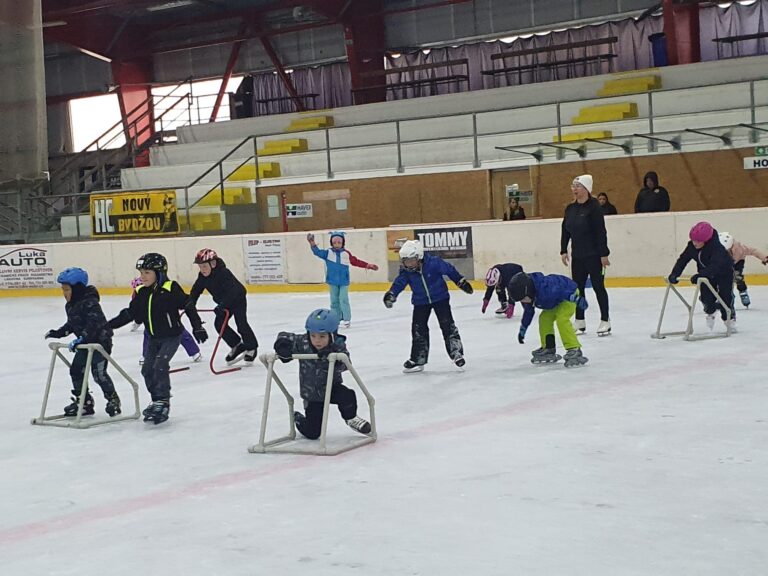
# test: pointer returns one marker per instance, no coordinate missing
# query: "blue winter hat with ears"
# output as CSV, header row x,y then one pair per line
x,y
338,234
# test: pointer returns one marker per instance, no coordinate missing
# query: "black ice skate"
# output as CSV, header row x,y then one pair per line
x,y
158,412
235,354
147,412
745,301
501,310
574,358
410,366
88,409
113,404
250,356
359,425
545,356
459,361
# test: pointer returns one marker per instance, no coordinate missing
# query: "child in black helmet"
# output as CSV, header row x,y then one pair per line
x,y
86,320
321,338
157,305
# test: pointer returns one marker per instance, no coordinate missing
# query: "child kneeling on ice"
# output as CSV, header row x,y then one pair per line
x,y
558,297
321,338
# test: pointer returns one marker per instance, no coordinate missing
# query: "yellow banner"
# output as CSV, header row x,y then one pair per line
x,y
150,213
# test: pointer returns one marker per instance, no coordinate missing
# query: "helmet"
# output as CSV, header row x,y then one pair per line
x,y
726,240
73,276
152,261
338,233
205,255
521,286
412,249
322,320
492,276
702,232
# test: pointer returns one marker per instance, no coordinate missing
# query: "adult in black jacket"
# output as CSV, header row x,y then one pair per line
x,y
608,208
584,227
515,212
652,197
497,279
713,263
156,305
229,294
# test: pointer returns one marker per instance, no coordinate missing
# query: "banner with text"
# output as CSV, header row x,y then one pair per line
x,y
448,243
26,267
264,260
134,214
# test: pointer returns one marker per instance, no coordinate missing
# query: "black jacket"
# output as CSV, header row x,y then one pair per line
x,y
584,226
712,261
85,318
654,199
507,271
157,307
518,214
224,288
313,374
609,209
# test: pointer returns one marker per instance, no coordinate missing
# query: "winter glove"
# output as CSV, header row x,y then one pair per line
x,y
284,348
485,305
521,334
55,333
200,334
311,238
389,299
580,301
672,279
465,286
75,343
510,311
695,278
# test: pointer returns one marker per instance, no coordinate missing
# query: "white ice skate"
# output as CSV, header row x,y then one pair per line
x,y
197,357
604,329
711,321
346,323
580,326
731,324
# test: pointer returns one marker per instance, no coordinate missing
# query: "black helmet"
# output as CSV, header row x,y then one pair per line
x,y
521,286
152,261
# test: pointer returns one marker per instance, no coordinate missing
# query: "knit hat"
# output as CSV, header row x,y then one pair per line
x,y
585,180
701,232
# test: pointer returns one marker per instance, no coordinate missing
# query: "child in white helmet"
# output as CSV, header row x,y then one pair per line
x,y
337,262
739,252
496,280
424,274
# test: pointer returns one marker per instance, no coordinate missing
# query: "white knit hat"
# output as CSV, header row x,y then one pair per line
x,y
585,180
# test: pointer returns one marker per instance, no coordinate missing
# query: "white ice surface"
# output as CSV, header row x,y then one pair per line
x,y
650,460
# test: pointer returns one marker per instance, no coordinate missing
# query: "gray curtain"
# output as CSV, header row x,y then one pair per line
x,y
735,20
330,82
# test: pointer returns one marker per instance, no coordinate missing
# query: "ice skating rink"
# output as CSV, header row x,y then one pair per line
x,y
651,460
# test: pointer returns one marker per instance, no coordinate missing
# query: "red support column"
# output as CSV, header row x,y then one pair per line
x,y
681,27
365,43
133,78
270,50
227,73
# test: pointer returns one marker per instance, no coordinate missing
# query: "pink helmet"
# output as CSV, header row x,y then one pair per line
x,y
701,232
205,255
492,276
136,282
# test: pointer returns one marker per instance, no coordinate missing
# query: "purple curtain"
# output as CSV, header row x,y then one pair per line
x,y
330,82
735,20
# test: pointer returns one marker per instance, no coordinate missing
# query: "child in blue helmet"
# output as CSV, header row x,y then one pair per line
x,y
337,262
86,320
321,338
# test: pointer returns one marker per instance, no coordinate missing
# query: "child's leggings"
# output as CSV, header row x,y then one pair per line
x,y
340,301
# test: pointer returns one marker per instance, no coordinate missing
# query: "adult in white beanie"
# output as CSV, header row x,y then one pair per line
x,y
584,228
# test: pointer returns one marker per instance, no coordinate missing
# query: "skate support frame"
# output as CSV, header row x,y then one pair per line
x,y
77,422
280,444
687,334
215,349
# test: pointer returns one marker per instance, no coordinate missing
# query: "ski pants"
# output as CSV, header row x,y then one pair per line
x,y
189,344
560,315
99,366
340,301
741,283
157,364
232,338
723,285
591,267
343,397
420,331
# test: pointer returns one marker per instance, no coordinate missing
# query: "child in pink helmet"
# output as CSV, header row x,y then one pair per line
x,y
739,252
712,263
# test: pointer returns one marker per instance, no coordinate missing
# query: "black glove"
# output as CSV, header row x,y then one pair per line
x,y
55,333
695,278
389,299
672,279
284,348
200,334
465,286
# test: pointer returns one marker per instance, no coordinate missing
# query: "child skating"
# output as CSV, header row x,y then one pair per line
x,y
558,298
337,262
496,280
738,253
86,320
424,274
321,338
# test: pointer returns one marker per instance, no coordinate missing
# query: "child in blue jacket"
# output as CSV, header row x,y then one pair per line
x,y
337,262
424,274
558,297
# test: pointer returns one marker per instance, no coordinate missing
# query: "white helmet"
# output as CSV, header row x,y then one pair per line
x,y
492,277
412,249
726,240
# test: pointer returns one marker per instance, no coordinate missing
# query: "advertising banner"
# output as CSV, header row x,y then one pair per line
x,y
453,244
298,210
265,260
26,267
134,214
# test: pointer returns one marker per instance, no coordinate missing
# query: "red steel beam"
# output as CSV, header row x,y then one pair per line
x,y
269,49
227,74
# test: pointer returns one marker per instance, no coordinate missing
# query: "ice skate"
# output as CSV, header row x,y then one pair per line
x,y
580,326
574,358
141,361
410,366
197,357
545,356
158,412
359,425
88,409
235,354
250,356
147,411
745,301
711,321
459,361
346,323
298,420
604,329
113,405
501,310
731,324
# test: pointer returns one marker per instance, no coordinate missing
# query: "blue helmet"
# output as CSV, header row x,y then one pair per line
x,y
73,276
340,234
322,320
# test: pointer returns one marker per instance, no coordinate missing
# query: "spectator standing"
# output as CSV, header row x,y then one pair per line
x,y
608,208
652,197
